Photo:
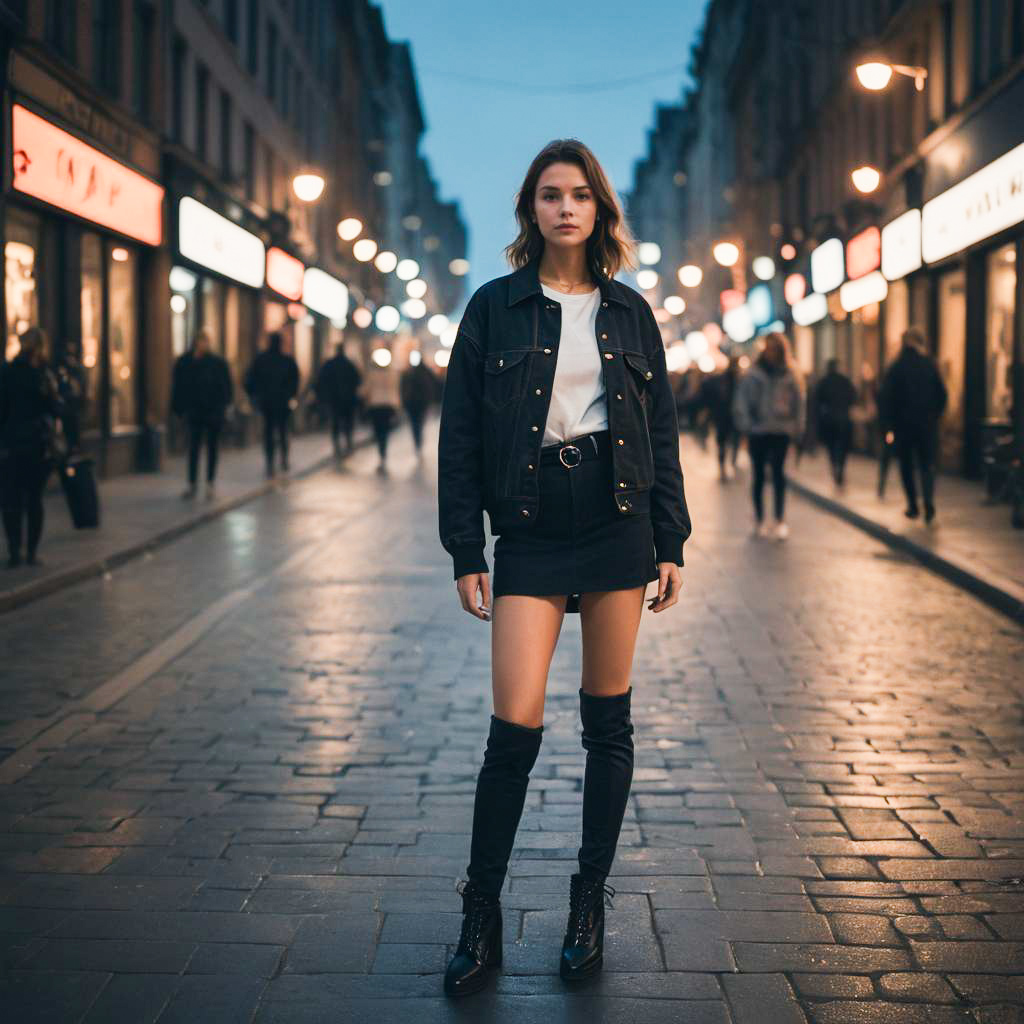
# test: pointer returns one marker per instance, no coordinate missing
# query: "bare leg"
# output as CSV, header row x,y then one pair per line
x,y
610,621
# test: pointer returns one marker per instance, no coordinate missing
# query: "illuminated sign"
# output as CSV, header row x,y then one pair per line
x,y
865,290
863,253
51,165
759,301
284,273
207,238
731,298
901,245
794,288
738,323
827,267
325,295
986,202
810,310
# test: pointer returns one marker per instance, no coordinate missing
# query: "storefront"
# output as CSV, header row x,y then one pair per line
x,y
81,227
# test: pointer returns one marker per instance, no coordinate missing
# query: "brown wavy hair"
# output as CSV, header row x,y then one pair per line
x,y
610,247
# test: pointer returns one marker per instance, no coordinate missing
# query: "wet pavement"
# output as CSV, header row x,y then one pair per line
x,y
236,781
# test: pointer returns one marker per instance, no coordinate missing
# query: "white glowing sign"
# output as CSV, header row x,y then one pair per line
x,y
865,290
901,245
213,241
810,310
828,266
986,202
325,294
738,323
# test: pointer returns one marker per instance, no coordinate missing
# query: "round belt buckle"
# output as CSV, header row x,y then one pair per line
x,y
574,452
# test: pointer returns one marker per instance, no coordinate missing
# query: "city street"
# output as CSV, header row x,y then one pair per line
x,y
236,781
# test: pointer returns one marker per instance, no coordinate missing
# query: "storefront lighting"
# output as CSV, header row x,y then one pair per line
x,y
325,295
726,254
697,344
662,315
713,333
297,311
382,178
706,363
828,266
441,358
448,336
181,280
381,356
364,250
855,295
730,299
349,229
308,186
385,261
211,240
759,302
414,309
437,324
876,74
738,323
387,319
677,358
407,270
763,267
794,288
675,304
690,276
362,317
863,253
119,255
866,179
459,267
646,280
788,251
648,253
284,273
810,310
416,288
178,304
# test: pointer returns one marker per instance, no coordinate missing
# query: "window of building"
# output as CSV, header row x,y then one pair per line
x,y
61,23
92,327
226,135
947,58
21,275
249,156
106,39
1000,291
231,20
202,104
178,89
122,334
286,84
253,32
272,58
142,58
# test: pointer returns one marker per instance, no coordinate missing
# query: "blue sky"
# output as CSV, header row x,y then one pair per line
x,y
481,137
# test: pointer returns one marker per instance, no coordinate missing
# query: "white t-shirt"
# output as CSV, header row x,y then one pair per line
x,y
578,401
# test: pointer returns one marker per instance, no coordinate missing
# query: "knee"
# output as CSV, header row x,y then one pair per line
x,y
513,744
607,720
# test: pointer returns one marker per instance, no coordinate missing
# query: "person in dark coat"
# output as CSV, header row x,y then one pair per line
x,y
201,393
419,390
716,394
336,388
272,383
911,402
30,409
834,396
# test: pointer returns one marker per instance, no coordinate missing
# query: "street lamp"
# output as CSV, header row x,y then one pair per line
x,y
385,261
866,179
350,228
364,250
308,185
726,253
690,276
876,74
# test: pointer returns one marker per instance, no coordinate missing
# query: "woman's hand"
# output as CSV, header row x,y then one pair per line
x,y
468,586
670,582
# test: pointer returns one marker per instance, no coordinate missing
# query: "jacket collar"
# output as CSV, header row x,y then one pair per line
x,y
525,282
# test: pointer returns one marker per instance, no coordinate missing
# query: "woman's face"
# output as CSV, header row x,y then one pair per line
x,y
564,205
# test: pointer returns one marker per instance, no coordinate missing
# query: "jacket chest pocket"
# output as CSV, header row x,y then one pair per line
x,y
639,374
504,376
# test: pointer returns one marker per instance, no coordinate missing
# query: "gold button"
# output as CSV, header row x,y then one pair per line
x,y
547,351
535,428
621,441
608,355
622,483
618,396
537,391
648,375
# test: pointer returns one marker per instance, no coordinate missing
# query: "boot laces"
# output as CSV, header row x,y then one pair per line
x,y
581,902
476,909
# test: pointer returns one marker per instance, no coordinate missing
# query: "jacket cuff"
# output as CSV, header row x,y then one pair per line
x,y
469,558
668,545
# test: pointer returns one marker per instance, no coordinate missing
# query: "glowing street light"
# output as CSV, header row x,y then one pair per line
x,y
350,228
675,304
416,288
414,308
876,75
649,252
438,324
364,250
308,186
646,279
388,318
690,276
407,269
362,317
459,267
726,253
386,261
866,179
763,267
381,356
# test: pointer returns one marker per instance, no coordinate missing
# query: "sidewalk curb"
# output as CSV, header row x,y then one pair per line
x,y
1002,597
28,592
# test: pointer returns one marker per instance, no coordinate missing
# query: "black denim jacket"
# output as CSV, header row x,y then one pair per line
x,y
495,407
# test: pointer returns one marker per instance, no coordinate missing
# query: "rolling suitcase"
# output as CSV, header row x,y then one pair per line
x,y
78,479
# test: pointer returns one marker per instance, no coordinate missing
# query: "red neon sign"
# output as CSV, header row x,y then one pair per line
x,y
863,253
284,273
54,166
731,298
795,288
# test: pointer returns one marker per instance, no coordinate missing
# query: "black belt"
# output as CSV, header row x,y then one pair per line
x,y
572,452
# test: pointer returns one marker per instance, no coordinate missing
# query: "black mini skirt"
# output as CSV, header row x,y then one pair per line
x,y
580,542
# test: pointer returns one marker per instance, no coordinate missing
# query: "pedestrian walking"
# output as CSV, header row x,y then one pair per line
x,y
31,443
834,397
382,398
558,418
336,389
201,393
911,402
716,395
770,409
419,390
272,383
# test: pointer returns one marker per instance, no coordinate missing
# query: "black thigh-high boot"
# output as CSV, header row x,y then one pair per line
x,y
608,740
511,753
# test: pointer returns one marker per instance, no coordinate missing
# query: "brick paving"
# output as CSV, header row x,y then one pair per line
x,y
236,782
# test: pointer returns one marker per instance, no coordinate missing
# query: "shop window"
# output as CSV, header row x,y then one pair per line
x,y
226,135
1000,288
253,30
92,328
212,311
122,334
178,89
897,320
202,104
950,355
61,25
21,270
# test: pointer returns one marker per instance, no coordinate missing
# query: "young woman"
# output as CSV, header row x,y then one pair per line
x,y
770,409
558,419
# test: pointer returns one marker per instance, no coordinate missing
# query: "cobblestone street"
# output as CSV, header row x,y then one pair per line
x,y
236,782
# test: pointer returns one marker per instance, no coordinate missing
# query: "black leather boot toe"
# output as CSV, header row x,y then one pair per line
x,y
583,947
479,948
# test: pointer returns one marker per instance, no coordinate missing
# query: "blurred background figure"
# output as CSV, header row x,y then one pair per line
x,y
770,408
337,388
201,393
381,396
834,397
911,401
716,394
419,390
272,383
31,442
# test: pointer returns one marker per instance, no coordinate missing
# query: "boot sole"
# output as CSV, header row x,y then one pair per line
x,y
587,972
468,990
